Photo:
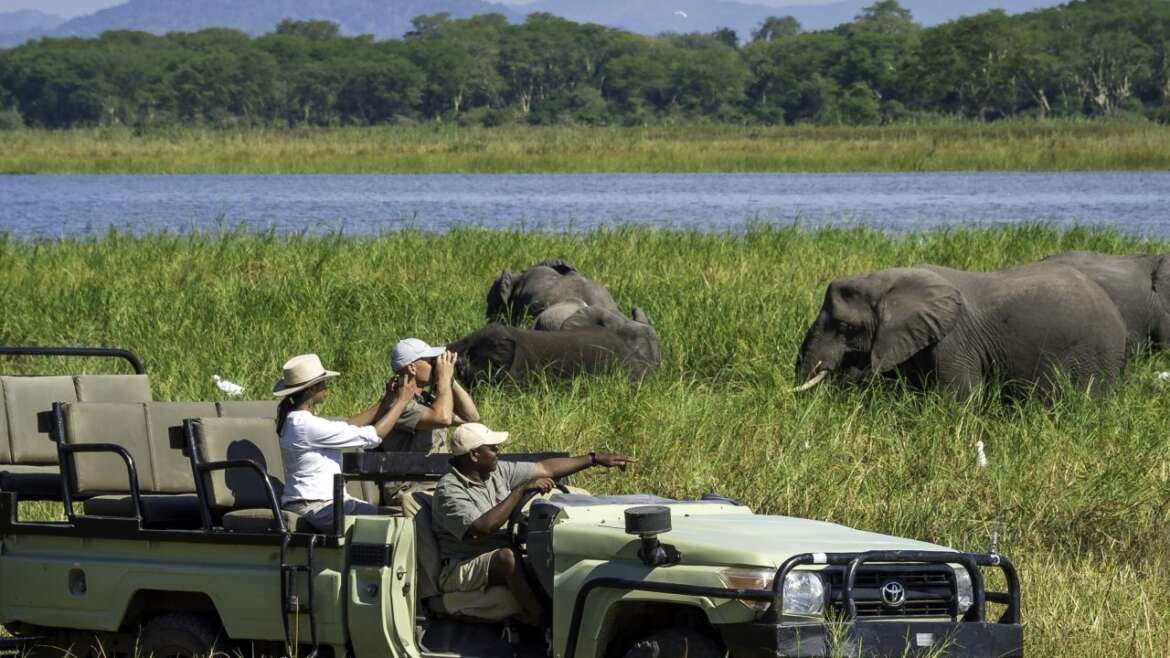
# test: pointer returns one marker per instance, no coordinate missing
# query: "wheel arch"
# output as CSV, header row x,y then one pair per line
x,y
147,603
627,621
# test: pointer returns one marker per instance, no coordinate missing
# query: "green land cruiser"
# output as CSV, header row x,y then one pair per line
x,y
173,544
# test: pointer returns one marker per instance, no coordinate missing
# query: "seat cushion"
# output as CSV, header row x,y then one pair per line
x,y
29,401
182,510
113,388
492,604
247,409
260,520
31,481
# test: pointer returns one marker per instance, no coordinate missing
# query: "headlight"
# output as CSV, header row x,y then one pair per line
x,y
965,589
750,579
804,593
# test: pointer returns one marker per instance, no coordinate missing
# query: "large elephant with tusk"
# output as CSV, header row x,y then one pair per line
x,y
1030,325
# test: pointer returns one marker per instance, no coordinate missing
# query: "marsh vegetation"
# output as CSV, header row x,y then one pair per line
x,y
1079,492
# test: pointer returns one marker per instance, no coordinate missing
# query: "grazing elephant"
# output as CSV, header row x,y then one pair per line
x,y
512,296
1139,286
519,352
958,329
553,317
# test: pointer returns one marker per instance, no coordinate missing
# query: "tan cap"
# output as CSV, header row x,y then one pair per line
x,y
470,436
301,372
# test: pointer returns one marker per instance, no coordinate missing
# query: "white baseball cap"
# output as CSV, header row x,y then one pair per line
x,y
470,436
409,350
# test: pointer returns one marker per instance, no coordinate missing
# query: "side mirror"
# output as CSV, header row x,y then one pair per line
x,y
647,522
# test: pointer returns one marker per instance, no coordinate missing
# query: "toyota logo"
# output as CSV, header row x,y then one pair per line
x,y
893,594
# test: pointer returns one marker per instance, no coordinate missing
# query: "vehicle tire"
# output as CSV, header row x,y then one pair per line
x,y
181,635
676,643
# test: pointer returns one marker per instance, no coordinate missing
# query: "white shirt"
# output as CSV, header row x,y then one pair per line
x,y
310,447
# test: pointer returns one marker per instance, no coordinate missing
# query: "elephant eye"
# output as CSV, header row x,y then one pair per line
x,y
846,328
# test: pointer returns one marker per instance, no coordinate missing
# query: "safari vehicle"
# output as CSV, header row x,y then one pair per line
x,y
173,543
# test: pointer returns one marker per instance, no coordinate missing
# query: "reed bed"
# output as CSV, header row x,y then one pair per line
x,y
1023,145
1078,492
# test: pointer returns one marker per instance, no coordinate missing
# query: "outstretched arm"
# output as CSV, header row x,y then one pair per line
x,y
558,467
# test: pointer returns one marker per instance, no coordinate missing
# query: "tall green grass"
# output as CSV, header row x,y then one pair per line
x,y
1078,492
1006,146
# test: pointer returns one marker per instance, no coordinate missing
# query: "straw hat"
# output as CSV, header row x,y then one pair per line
x,y
301,372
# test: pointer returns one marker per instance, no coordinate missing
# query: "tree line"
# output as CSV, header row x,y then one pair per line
x,y
1086,58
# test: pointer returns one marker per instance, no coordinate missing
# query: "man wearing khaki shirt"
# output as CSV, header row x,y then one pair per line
x,y
474,500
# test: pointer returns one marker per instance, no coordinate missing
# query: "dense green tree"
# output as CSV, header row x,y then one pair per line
x,y
777,27
1086,58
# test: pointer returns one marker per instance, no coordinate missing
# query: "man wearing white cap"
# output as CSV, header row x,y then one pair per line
x,y
422,426
474,500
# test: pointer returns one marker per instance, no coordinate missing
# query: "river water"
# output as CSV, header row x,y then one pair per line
x,y
55,206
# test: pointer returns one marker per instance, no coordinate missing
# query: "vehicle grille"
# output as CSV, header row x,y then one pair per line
x,y
928,590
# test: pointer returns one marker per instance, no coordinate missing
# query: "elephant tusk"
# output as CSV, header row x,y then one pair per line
x,y
812,382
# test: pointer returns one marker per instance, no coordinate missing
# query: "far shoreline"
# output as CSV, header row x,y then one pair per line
x,y
948,146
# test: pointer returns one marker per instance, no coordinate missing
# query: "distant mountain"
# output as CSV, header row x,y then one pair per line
x,y
391,18
27,20
656,16
382,18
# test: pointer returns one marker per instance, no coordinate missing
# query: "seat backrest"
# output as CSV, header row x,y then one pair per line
x,y
247,409
28,403
120,423
169,461
223,439
112,388
426,544
5,441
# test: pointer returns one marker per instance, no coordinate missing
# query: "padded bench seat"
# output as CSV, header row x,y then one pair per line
x,y
31,481
28,455
180,510
260,520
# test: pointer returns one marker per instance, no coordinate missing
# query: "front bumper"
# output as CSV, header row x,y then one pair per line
x,y
875,638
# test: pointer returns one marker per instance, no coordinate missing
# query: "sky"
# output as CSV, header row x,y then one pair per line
x,y
71,8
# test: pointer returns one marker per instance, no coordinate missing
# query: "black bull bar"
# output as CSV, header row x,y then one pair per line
x,y
976,616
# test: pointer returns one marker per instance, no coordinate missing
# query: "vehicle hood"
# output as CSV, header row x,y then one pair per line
x,y
726,535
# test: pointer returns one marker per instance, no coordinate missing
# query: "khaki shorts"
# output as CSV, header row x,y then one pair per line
x,y
470,575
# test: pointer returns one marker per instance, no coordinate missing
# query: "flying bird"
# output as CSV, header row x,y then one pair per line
x,y
230,388
680,13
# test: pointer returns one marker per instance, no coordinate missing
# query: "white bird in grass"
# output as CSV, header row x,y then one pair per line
x,y
980,456
231,388
680,13
1164,376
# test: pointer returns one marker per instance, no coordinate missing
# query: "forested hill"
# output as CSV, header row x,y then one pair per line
x,y
1088,58
381,18
656,16
391,18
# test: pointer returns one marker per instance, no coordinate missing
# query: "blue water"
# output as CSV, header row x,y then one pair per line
x,y
54,206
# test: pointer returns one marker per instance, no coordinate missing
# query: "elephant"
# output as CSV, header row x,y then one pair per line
x,y
954,329
512,296
553,317
1139,286
518,352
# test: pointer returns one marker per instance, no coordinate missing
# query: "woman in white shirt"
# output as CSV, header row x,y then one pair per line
x,y
311,446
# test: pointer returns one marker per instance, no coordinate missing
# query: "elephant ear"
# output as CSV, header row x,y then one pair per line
x,y
914,313
499,297
557,264
638,315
